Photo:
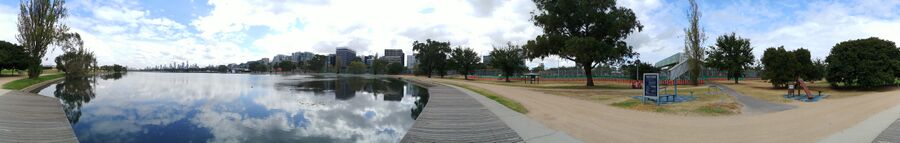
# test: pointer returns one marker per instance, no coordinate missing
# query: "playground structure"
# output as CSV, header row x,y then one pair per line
x,y
794,92
651,84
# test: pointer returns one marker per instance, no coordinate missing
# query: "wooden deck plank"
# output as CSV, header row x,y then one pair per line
x,y
452,116
28,117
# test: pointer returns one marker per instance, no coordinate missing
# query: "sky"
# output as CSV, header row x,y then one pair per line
x,y
212,32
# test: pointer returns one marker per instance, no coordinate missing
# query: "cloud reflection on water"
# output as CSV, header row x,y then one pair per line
x,y
184,107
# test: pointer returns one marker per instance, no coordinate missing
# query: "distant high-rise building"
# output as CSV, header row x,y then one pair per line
x,y
298,57
368,60
264,60
280,58
343,56
411,61
486,59
393,56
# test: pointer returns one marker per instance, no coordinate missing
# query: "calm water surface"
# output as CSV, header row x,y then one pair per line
x,y
198,107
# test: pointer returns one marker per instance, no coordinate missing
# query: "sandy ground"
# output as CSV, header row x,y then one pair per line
x,y
594,122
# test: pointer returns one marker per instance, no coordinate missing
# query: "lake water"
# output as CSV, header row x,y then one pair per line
x,y
200,107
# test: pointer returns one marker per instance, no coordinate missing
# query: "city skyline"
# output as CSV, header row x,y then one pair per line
x,y
221,32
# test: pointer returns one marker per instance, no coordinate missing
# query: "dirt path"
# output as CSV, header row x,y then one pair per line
x,y
594,122
752,106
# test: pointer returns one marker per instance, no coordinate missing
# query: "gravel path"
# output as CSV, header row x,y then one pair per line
x,y
752,106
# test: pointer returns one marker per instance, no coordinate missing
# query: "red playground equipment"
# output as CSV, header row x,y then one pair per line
x,y
802,84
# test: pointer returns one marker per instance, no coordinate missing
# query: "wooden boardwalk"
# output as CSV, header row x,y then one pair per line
x,y
28,117
889,135
452,116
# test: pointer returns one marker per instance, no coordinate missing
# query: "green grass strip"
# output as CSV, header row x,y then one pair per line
x,y
26,82
515,106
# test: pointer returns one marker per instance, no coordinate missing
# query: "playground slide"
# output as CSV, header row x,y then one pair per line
x,y
805,89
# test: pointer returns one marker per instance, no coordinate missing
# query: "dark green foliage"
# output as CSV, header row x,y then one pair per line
x,y
316,64
781,67
12,56
39,26
395,68
357,67
865,63
286,66
115,68
432,57
465,60
509,60
588,32
731,53
76,61
259,67
378,66
642,68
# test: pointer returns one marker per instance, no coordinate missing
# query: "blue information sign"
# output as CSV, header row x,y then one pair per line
x,y
651,84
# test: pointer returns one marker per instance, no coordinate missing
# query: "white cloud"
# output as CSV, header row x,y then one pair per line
x,y
124,32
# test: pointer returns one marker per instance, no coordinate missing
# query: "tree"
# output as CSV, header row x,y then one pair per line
x,y
465,60
432,56
509,60
39,26
316,64
863,63
694,37
538,68
286,66
395,68
12,56
76,61
781,67
378,66
257,66
357,67
820,68
641,68
587,32
731,53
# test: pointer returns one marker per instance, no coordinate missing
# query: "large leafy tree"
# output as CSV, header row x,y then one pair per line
x,y
509,60
395,68
432,56
39,26
465,60
286,66
588,32
731,53
316,64
357,67
781,66
378,66
12,56
694,37
76,61
865,63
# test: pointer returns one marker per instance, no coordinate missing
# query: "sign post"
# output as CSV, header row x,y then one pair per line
x,y
651,86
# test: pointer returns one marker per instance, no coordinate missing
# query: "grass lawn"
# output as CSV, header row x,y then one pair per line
x,y
763,90
23,83
708,102
515,106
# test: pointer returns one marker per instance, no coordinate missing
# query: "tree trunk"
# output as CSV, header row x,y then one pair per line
x,y
466,76
588,74
507,77
736,77
34,70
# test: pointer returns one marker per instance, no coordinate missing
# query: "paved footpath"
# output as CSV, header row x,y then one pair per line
x,y
452,116
752,105
28,117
